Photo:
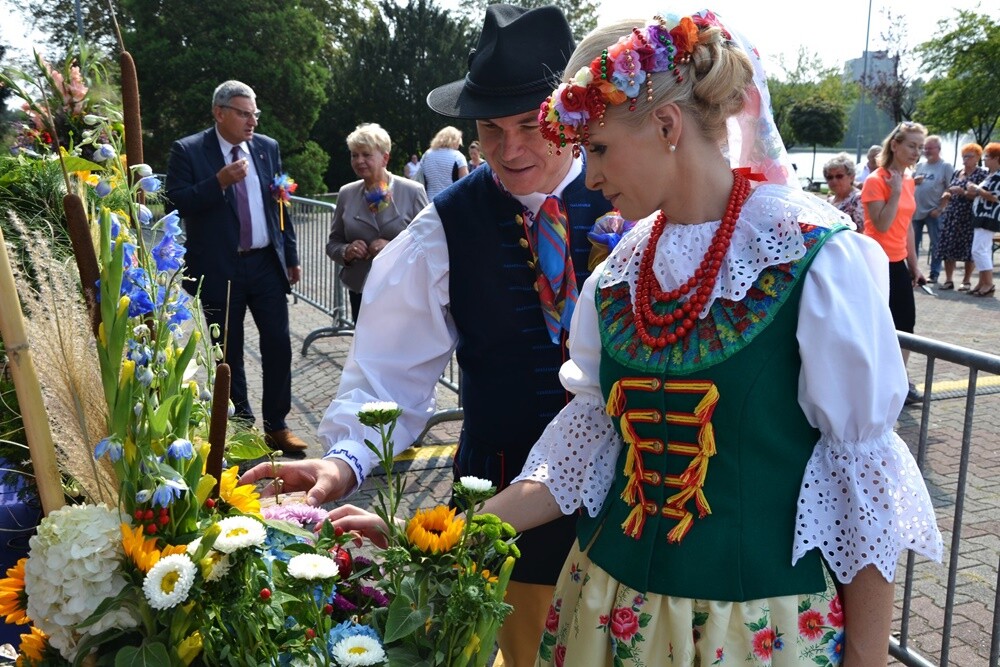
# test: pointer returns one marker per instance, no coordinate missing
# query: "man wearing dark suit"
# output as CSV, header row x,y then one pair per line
x,y
239,254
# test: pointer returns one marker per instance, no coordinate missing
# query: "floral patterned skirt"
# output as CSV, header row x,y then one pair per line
x,y
596,621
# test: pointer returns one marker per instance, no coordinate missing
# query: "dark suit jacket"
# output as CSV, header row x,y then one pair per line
x,y
209,212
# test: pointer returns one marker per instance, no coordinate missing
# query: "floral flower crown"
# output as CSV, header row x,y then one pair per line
x,y
619,74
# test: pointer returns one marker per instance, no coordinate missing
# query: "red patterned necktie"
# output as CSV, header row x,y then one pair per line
x,y
557,288
243,207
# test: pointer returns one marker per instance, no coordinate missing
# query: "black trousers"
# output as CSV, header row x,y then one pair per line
x,y
259,286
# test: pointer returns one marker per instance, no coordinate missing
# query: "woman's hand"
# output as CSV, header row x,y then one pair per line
x,y
356,249
894,181
375,247
353,519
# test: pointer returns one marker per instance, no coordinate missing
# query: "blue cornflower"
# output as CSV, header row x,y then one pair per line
x,y
835,648
168,254
181,448
149,184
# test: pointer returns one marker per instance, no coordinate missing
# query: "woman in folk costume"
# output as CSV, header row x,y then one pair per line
x,y
736,377
744,498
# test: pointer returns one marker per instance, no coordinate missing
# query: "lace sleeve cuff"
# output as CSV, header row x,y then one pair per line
x,y
575,456
864,503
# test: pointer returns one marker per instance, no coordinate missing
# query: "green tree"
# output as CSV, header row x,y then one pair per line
x,y
895,90
965,65
57,19
580,14
817,122
398,54
807,79
184,48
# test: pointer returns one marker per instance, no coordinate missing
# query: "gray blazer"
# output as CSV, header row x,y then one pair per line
x,y
353,220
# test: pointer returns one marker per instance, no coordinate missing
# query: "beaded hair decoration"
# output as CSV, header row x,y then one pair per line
x,y
619,75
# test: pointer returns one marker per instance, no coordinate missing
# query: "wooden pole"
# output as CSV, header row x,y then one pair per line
x,y
29,392
217,426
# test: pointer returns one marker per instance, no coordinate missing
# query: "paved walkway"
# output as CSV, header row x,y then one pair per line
x,y
949,316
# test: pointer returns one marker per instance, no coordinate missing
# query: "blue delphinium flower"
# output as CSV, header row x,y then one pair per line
x,y
104,152
112,448
181,448
145,215
149,184
144,375
167,254
103,188
139,353
171,223
135,285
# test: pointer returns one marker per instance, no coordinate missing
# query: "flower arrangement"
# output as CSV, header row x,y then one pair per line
x,y
445,575
181,565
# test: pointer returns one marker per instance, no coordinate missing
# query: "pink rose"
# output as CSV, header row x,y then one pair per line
x,y
836,615
624,623
552,621
559,655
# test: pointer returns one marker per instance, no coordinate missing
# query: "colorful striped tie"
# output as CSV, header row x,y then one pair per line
x,y
557,288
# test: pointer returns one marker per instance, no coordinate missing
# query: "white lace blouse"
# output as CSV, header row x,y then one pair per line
x,y
862,500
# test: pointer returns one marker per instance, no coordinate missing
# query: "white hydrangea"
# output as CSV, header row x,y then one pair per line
x,y
312,566
74,564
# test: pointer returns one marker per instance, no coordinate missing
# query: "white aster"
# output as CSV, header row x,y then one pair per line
x,y
476,484
312,566
73,566
214,565
168,583
379,406
358,651
239,532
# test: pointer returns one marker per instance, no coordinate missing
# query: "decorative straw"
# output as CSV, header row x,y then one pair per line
x,y
217,427
29,392
86,258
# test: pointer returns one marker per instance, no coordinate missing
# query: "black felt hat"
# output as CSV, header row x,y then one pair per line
x,y
520,56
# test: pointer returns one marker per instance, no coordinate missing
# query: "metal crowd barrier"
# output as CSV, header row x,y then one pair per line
x,y
321,288
924,590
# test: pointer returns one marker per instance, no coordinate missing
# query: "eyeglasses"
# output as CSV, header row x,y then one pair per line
x,y
970,156
835,177
245,115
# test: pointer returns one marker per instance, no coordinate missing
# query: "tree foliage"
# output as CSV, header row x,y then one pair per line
x,y
964,62
895,89
398,55
806,81
57,20
184,48
580,14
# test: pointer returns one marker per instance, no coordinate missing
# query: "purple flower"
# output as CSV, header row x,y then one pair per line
x,y
300,513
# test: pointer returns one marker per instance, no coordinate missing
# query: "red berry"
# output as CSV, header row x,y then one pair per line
x,y
328,609
338,531
265,594
310,633
148,515
164,519
151,529
210,503
138,515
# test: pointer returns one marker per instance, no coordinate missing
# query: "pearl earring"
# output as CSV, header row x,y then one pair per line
x,y
672,147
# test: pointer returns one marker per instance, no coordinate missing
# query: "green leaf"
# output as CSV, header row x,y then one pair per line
x,y
76,163
821,660
150,654
805,605
700,618
246,447
403,620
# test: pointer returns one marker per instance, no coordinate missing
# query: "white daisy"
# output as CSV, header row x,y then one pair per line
x,y
239,532
214,565
358,651
379,406
476,484
168,582
312,566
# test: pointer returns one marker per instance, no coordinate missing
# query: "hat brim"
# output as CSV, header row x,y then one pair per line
x,y
455,101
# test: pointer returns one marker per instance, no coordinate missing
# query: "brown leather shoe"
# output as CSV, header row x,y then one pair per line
x,y
285,440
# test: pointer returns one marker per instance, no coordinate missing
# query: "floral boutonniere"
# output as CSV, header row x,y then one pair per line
x,y
378,198
282,189
607,231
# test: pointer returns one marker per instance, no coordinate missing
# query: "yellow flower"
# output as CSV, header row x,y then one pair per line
x,y
13,601
142,550
32,647
244,498
435,530
189,648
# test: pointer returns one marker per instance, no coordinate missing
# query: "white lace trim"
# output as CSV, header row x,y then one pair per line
x,y
766,234
863,504
575,456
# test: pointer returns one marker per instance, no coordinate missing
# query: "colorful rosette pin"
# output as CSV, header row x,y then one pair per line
x,y
282,189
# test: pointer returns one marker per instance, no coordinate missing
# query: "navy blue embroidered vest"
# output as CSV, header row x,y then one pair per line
x,y
510,383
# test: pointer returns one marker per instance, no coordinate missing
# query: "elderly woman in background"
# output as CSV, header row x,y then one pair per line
x,y
955,244
839,175
443,163
986,219
370,212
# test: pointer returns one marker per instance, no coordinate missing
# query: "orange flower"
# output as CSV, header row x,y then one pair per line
x,y
13,601
435,530
685,35
32,647
142,551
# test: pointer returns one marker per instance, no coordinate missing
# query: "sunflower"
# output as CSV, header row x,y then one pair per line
x,y
32,647
435,530
244,498
13,600
143,551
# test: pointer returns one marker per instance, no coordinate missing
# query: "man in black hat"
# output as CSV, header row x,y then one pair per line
x,y
489,270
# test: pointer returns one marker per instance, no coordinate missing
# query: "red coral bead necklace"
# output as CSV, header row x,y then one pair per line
x,y
678,323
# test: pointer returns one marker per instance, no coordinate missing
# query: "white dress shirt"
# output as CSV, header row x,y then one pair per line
x,y
258,218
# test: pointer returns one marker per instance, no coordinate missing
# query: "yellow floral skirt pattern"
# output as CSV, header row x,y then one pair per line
x,y
595,621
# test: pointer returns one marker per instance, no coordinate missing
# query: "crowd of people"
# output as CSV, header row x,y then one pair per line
x,y
627,416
